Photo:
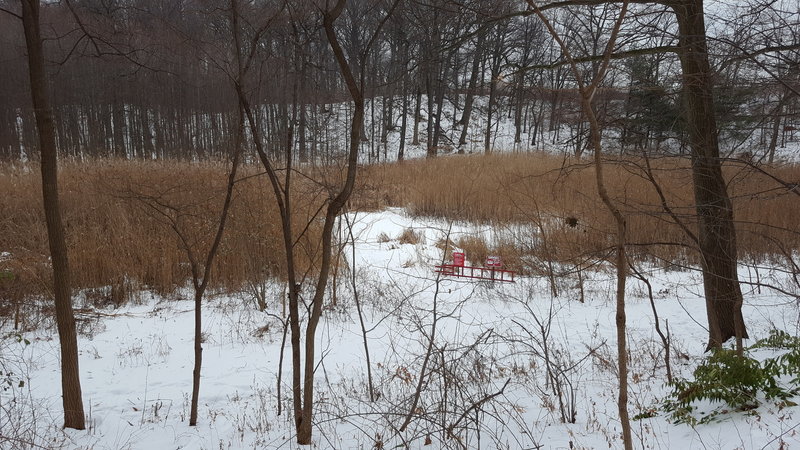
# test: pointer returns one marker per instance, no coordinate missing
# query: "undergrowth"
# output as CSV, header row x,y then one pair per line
x,y
738,383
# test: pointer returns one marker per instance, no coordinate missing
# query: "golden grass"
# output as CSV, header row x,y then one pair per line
x,y
475,249
120,241
118,235
559,198
409,236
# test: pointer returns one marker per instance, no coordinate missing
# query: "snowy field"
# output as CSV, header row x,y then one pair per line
x,y
485,383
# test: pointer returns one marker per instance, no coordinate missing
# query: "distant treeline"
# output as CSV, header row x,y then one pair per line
x,y
152,79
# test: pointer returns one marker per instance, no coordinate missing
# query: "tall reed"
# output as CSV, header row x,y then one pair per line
x,y
119,219
543,209
558,197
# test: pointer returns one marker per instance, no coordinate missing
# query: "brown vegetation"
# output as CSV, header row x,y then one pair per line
x,y
118,244
559,198
117,238
409,236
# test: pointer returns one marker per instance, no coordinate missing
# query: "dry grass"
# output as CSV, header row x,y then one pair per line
x,y
409,236
120,240
119,218
559,198
475,249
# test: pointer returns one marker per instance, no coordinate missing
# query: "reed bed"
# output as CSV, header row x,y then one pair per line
x,y
121,217
558,198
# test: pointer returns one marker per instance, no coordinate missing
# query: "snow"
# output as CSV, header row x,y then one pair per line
x,y
558,140
136,361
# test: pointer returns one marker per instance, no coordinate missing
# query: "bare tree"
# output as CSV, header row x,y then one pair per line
x,y
587,92
303,356
716,232
714,211
201,271
65,320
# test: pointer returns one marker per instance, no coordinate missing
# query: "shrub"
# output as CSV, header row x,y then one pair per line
x,y
445,245
409,236
737,381
788,363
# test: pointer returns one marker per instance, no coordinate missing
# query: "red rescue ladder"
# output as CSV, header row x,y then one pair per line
x,y
492,271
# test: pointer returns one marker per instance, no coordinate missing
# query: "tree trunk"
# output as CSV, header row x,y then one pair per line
x,y
65,320
487,138
429,88
497,55
440,87
301,134
118,114
417,117
403,126
520,86
473,84
386,117
716,233
404,93
776,126
147,133
198,354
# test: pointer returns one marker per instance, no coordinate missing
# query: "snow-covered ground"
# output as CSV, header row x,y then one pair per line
x,y
559,140
488,339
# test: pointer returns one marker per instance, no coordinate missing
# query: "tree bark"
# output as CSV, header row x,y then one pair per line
x,y
65,320
403,126
716,233
470,96
417,116
587,92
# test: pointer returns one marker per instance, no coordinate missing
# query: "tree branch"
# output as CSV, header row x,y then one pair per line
x,y
595,58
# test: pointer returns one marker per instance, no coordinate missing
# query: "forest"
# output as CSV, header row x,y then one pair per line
x,y
257,223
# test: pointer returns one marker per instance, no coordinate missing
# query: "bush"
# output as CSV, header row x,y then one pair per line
x,y
787,364
739,382
409,236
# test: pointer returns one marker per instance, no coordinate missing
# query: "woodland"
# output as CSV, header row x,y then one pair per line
x,y
224,223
